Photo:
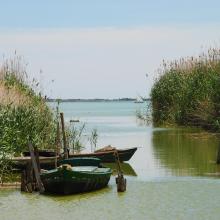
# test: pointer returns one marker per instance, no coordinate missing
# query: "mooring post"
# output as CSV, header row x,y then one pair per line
x,y
27,178
36,169
218,156
26,185
57,152
23,181
120,180
64,136
36,153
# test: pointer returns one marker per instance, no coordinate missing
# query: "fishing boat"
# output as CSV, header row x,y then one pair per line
x,y
81,161
45,162
107,154
67,179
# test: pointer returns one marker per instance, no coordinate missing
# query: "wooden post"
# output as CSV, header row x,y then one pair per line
x,y
218,156
29,177
23,181
36,153
36,170
57,143
120,180
64,136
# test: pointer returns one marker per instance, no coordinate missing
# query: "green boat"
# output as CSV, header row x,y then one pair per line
x,y
79,161
70,180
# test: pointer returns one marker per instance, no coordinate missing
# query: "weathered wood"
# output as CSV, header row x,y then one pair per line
x,y
121,183
26,178
57,143
23,181
29,178
36,170
218,154
120,180
64,136
36,153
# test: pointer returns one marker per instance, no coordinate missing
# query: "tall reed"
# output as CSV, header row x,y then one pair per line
x,y
24,115
187,92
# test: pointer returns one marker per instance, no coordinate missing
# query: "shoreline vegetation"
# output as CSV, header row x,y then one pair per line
x,y
187,92
24,115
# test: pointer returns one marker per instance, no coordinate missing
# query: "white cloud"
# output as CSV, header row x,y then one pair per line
x,y
103,62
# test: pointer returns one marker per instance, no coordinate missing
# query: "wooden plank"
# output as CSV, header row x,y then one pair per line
x,y
64,136
36,171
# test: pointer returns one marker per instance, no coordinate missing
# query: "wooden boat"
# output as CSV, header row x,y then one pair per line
x,y
42,153
81,161
49,162
45,162
107,156
70,180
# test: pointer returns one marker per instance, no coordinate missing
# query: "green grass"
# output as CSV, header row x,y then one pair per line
x,y
187,92
24,115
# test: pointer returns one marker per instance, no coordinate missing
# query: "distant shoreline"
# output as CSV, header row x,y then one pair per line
x,y
94,100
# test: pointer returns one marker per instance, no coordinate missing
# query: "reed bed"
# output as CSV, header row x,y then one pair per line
x,y
24,115
187,92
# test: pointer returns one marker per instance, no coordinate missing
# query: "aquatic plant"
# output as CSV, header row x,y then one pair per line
x,y
144,114
74,137
93,139
24,114
187,92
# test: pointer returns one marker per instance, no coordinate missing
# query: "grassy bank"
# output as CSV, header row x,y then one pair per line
x,y
187,92
24,115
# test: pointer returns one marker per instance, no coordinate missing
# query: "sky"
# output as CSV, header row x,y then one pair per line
x,y
103,48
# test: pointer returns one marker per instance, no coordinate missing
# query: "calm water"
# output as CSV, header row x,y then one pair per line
x,y
172,175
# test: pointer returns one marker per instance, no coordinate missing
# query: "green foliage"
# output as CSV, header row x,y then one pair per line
x,y
93,139
74,137
187,92
21,122
144,114
19,125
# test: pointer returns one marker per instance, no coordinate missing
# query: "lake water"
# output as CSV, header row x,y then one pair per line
x,y
173,174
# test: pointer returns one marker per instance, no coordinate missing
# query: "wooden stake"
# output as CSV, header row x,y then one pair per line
x,y
218,156
36,153
57,143
36,170
64,136
120,180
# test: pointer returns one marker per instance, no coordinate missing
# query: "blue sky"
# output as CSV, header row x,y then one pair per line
x,y
103,49
102,13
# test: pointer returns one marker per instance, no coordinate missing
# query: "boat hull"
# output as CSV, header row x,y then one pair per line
x,y
71,182
108,156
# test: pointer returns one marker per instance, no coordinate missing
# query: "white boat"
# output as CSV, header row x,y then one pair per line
x,y
139,100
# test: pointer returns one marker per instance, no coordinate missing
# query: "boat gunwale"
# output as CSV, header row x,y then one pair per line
x,y
121,151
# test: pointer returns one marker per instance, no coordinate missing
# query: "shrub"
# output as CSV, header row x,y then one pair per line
x,y
187,92
24,115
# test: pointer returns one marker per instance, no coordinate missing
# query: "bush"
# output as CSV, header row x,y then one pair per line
x,y
188,93
24,115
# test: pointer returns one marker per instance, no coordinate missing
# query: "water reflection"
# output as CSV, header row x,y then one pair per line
x,y
186,151
126,168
